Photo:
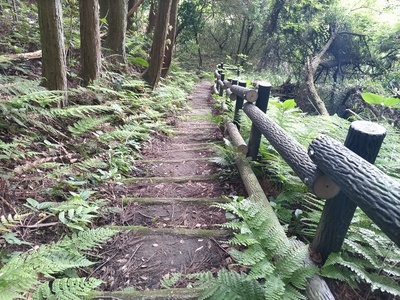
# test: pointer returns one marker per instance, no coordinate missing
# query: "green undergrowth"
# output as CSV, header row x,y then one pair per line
x,y
69,157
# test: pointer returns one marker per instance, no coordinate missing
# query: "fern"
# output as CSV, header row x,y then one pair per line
x,y
79,111
232,285
276,264
169,280
66,289
86,124
20,275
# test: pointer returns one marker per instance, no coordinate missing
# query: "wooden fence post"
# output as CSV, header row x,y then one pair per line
x,y
365,139
238,106
264,90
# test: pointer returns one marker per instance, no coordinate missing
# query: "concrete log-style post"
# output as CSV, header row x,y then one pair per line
x,y
293,153
221,84
230,94
238,106
237,139
365,139
377,194
264,90
245,93
227,83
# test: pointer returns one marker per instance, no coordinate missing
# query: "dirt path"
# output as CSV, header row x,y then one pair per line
x,y
168,224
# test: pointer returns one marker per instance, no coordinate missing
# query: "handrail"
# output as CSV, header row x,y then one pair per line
x,y
325,173
293,153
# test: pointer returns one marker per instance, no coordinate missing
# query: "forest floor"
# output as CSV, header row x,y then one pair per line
x,y
167,221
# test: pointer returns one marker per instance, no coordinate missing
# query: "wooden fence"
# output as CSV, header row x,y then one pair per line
x,y
342,174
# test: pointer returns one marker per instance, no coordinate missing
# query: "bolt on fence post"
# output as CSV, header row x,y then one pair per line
x,y
264,90
221,87
238,107
365,139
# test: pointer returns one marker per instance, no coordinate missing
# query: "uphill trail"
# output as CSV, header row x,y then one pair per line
x,y
167,222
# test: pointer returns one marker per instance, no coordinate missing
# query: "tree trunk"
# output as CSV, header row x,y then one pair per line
x,y
52,41
308,99
171,37
152,16
90,40
115,41
240,40
153,72
199,54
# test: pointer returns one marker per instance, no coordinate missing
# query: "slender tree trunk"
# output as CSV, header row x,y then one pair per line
x,y
116,35
152,16
90,40
153,72
199,54
173,19
52,41
308,99
240,40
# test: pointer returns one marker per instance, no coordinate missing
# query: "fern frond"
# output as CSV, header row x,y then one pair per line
x,y
251,256
87,239
274,288
66,289
20,273
86,124
385,284
90,164
79,111
291,261
262,269
234,225
363,252
291,293
300,277
242,240
169,280
232,285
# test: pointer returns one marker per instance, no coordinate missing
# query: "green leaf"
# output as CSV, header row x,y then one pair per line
x,y
289,104
12,239
139,61
391,102
372,98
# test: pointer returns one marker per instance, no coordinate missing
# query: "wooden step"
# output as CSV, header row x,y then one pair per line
x,y
181,179
165,294
155,201
143,230
171,160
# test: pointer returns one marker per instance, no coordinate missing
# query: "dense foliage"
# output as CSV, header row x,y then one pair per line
x,y
97,137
